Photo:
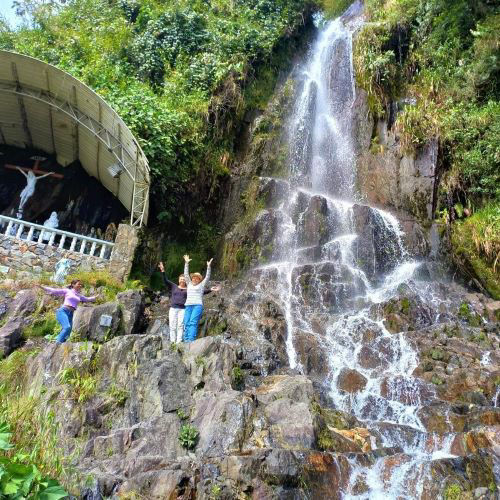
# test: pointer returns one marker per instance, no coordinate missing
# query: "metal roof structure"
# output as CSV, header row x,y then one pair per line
x,y
45,108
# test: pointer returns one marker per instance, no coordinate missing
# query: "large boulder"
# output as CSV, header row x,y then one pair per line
x,y
132,307
222,420
87,321
23,305
351,381
10,336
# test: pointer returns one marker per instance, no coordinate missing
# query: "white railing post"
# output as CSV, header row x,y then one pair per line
x,y
20,231
19,226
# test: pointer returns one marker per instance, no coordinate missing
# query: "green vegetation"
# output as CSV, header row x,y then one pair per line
x,y
83,382
118,395
444,55
237,378
20,480
334,8
452,492
108,286
476,247
32,425
188,436
182,414
181,74
439,60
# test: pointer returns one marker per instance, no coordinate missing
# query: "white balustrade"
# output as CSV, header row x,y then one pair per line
x,y
64,240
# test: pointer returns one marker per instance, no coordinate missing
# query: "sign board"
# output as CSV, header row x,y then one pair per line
x,y
4,269
106,320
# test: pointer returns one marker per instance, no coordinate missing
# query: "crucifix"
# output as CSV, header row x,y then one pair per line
x,y
32,176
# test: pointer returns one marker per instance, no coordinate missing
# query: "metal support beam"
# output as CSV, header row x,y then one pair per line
x,y
22,108
137,171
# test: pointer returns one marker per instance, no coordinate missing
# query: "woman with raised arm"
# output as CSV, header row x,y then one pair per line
x,y
194,301
64,314
177,304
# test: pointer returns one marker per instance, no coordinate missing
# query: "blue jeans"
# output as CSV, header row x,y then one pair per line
x,y
65,318
192,315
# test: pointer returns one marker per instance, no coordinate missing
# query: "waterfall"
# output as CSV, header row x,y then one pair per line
x,y
335,261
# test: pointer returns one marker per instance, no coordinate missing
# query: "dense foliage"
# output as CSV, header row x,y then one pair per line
x,y
440,61
19,481
444,56
181,74
26,438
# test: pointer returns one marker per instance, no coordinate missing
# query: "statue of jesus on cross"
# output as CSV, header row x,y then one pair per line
x,y
32,176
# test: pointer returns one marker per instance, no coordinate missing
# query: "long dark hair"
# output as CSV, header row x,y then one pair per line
x,y
73,283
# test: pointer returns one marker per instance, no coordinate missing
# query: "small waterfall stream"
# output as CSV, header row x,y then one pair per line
x,y
335,262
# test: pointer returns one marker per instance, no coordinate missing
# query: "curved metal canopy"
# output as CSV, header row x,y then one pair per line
x,y
45,108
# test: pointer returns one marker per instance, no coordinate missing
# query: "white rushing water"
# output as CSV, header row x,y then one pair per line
x,y
335,262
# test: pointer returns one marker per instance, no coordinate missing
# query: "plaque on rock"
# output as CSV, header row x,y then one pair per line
x,y
106,320
4,269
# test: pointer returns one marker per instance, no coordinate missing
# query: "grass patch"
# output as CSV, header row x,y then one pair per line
x,y
476,247
83,383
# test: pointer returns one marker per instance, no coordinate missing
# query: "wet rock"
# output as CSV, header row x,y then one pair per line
x,y
329,285
312,355
351,381
272,190
407,390
87,321
407,312
132,306
313,226
375,249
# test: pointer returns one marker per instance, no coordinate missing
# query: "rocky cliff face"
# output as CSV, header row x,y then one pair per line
x,y
342,365
265,431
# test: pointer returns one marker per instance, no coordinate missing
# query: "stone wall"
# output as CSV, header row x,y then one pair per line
x,y
18,256
35,258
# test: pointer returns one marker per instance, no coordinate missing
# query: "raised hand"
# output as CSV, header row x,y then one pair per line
x,y
209,262
215,288
161,267
186,258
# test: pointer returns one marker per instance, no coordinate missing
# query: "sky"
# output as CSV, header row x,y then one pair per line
x,y
8,12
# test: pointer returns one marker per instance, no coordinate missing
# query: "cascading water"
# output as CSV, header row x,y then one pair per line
x,y
335,262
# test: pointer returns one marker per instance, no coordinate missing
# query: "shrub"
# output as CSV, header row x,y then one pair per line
x,y
237,378
476,246
19,479
188,436
83,384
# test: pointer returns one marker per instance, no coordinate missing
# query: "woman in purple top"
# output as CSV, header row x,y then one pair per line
x,y
64,314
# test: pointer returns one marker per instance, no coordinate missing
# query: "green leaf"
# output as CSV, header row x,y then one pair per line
x,y
5,437
55,492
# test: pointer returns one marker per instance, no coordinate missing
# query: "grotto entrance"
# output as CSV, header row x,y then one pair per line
x,y
80,201
70,169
